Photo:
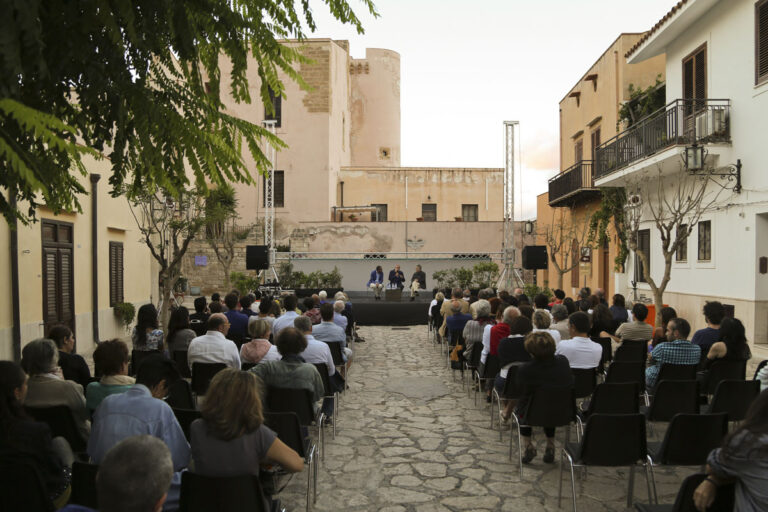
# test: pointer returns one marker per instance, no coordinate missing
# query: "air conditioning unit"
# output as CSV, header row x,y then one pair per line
x,y
710,122
702,124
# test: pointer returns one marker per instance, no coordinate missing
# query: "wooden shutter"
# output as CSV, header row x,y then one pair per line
x,y
279,189
644,246
50,287
595,141
695,78
574,258
115,273
761,41
67,281
578,151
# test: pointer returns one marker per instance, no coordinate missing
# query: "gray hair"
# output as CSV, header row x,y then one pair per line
x,y
134,475
439,296
480,308
302,323
559,312
339,306
39,356
509,314
340,296
323,294
486,293
541,319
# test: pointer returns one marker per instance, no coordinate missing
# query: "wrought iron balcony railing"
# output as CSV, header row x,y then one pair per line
x,y
567,186
683,121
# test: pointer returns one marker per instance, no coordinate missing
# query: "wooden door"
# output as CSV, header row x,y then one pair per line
x,y
58,274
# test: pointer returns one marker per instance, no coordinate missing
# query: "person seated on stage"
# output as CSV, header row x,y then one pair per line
x,y
312,312
396,278
376,282
72,365
418,281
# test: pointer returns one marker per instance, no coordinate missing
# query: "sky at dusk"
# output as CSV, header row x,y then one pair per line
x,y
468,66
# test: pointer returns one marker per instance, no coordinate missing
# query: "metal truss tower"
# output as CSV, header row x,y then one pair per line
x,y
509,277
269,205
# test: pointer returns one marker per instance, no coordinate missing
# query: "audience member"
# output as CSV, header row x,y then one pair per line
x,y
714,312
216,298
541,301
25,440
322,296
46,385
473,329
338,318
199,319
523,300
742,459
570,305
542,321
72,365
500,331
635,330
215,307
445,309
560,317
259,349
312,311
246,301
231,439
602,321
265,312
678,350
142,411
619,309
545,370
559,297
486,294
600,294
660,332
213,346
316,351
581,352
733,344
179,332
286,319
456,321
146,335
466,295
291,371
512,352
111,359
238,321
135,476
526,311
328,332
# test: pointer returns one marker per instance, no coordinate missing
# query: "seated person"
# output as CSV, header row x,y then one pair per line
x,y
581,352
179,332
418,282
602,321
316,351
199,318
542,321
660,332
142,411
733,344
147,335
545,370
291,371
376,282
714,312
473,329
396,278
111,358
46,385
231,439
456,321
23,439
560,321
259,349
246,303
312,310
72,365
636,330
512,352
213,346
676,351
338,318
265,312
328,332
740,460
238,321
619,311
285,320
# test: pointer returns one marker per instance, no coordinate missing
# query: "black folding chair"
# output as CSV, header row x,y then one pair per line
x,y
631,350
338,357
137,356
607,356
84,485
585,381
549,408
486,372
329,393
677,372
185,417
224,494
724,370
612,440
61,422
673,397
300,402
684,501
473,362
510,392
180,395
202,373
288,429
628,371
734,398
180,358
22,488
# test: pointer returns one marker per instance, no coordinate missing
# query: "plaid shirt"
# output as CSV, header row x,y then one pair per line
x,y
671,352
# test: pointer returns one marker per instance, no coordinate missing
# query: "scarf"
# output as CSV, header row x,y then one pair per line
x,y
117,380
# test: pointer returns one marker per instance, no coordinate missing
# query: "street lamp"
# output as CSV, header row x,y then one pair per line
x,y
528,227
694,158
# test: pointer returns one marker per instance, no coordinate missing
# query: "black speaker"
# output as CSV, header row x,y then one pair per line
x,y
256,257
535,257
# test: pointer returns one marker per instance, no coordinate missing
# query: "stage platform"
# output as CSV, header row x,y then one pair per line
x,y
369,311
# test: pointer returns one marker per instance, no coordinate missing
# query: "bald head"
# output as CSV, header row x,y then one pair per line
x,y
218,322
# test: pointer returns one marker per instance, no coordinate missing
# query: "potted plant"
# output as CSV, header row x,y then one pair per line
x,y
458,219
125,313
353,218
420,219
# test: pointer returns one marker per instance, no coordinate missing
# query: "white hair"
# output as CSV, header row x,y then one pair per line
x,y
323,294
338,306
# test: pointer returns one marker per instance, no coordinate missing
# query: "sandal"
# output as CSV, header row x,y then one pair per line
x,y
549,455
530,454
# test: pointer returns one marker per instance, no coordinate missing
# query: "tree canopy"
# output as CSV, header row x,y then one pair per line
x,y
137,82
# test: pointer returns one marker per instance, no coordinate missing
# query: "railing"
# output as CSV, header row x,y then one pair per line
x,y
360,255
680,122
571,180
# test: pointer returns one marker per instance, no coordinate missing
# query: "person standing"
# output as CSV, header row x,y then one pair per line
x,y
376,282
396,277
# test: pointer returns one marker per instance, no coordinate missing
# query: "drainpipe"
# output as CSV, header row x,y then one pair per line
x,y
341,200
15,280
95,256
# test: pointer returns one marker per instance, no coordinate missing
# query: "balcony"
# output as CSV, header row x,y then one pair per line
x,y
572,185
681,122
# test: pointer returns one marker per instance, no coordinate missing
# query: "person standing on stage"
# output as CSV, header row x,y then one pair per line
x,y
376,282
396,278
418,281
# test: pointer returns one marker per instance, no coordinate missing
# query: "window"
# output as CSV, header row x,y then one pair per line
x,y
595,139
695,79
681,254
469,212
705,240
381,213
115,273
277,103
278,193
429,212
578,151
643,246
761,41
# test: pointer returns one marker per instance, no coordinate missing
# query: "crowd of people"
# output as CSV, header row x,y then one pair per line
x,y
131,432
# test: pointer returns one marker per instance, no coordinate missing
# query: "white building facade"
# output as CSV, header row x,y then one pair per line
x,y
717,97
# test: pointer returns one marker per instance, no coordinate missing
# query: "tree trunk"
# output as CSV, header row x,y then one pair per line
x,y
226,276
658,301
560,280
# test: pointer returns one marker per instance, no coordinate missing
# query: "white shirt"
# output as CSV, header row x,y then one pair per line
x,y
552,332
213,347
318,352
431,304
271,355
486,343
283,321
581,352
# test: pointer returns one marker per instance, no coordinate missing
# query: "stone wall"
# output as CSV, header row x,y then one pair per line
x,y
317,75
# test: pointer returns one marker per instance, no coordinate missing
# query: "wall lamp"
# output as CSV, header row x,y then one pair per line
x,y
694,158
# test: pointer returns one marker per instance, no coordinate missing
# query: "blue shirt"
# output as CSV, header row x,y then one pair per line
x,y
705,337
283,321
329,332
457,322
340,320
672,352
238,323
133,413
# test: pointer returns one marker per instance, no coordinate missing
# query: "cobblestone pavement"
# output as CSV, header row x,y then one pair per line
x,y
409,439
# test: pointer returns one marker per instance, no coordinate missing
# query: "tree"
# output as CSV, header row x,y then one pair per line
x,y
486,273
564,239
222,232
674,205
139,82
167,225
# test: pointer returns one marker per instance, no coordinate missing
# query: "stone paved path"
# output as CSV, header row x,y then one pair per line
x,y
409,439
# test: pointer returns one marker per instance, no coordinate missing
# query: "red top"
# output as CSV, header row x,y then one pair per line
x,y
498,333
